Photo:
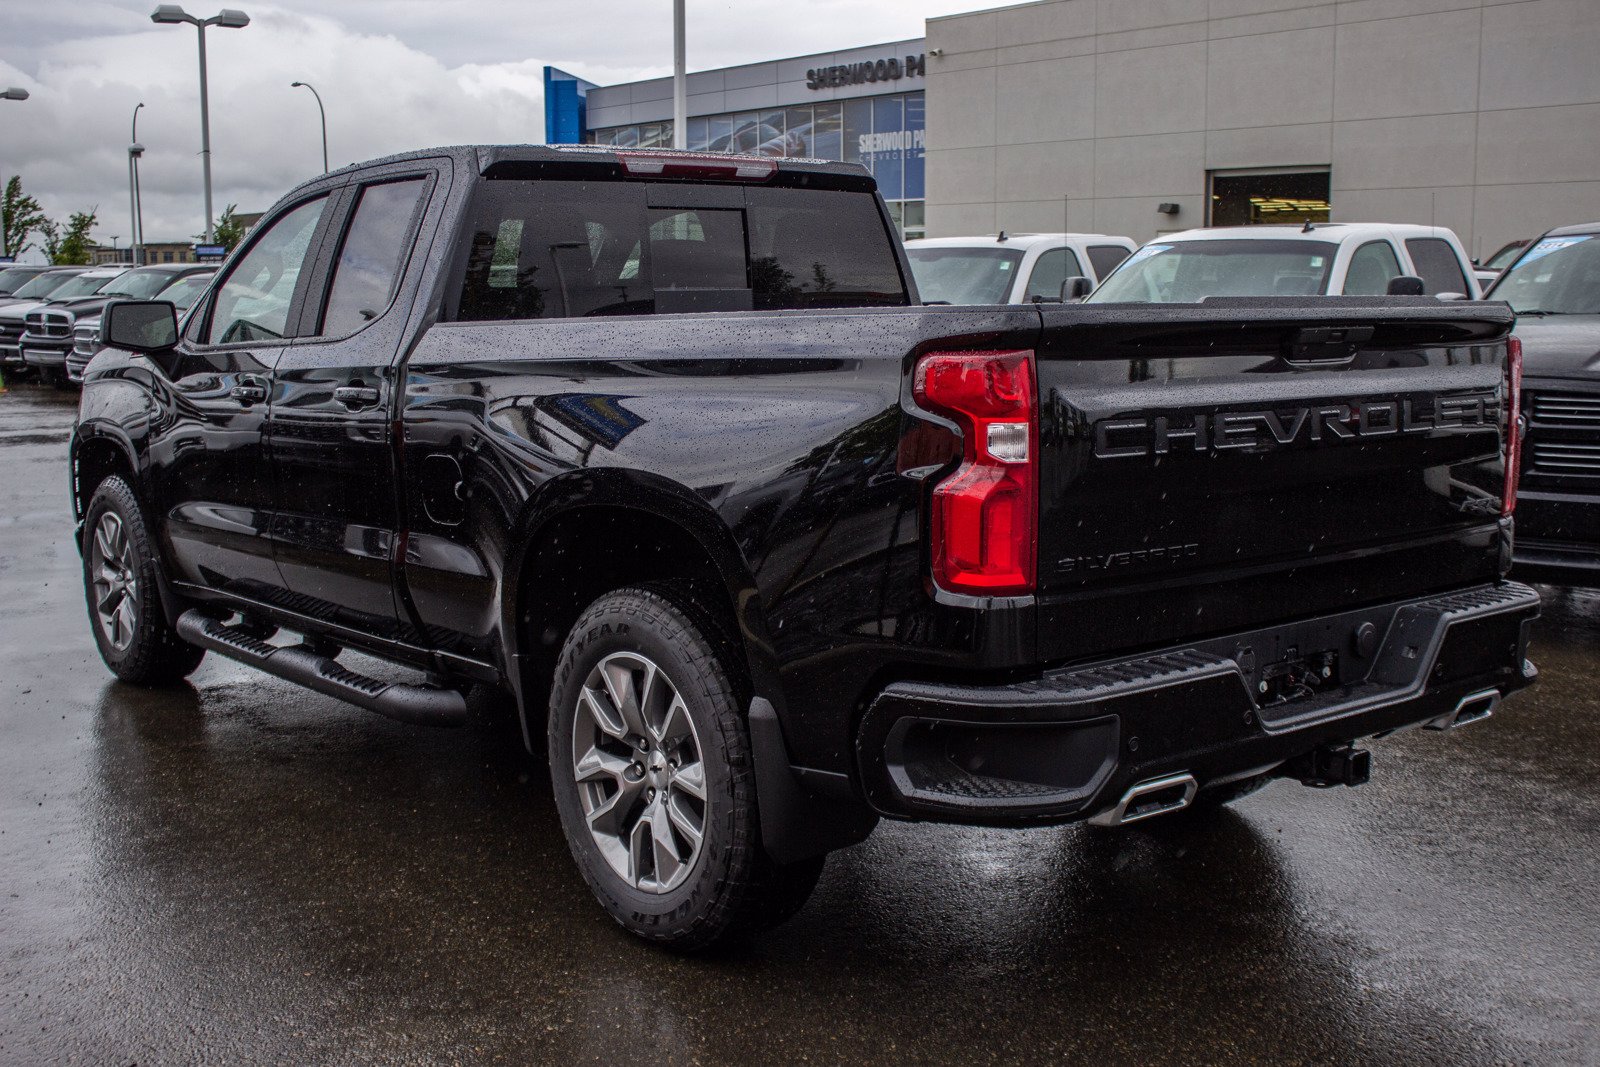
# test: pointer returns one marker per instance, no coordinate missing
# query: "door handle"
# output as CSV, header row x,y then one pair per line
x,y
249,391
356,396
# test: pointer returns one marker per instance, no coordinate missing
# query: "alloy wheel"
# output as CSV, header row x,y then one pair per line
x,y
637,761
116,581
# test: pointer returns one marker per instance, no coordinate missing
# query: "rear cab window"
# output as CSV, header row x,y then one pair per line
x,y
1371,267
1049,271
1437,265
556,248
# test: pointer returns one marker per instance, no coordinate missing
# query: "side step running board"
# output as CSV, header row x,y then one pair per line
x,y
418,704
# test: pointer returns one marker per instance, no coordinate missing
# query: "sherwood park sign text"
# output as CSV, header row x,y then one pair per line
x,y
879,70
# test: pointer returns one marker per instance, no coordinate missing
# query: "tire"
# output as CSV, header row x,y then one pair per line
x,y
638,667
119,583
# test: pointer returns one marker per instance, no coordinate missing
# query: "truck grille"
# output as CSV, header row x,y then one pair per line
x,y
1569,458
49,323
1567,409
10,333
1564,435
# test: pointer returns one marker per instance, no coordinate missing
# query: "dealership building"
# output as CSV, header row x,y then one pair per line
x,y
863,105
1140,117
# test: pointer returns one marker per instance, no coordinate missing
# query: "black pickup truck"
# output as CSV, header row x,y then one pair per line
x,y
663,448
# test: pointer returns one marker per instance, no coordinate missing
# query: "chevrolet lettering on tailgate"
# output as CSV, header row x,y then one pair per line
x,y
1260,430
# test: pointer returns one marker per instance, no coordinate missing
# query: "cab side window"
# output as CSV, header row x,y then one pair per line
x,y
1049,271
252,304
1373,264
370,261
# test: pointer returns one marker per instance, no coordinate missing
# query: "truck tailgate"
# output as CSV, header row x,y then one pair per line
x,y
1211,467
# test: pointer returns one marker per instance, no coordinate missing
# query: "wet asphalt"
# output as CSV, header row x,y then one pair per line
x,y
242,871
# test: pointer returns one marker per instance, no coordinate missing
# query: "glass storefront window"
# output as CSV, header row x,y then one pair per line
x,y
857,125
883,133
916,127
697,133
885,154
798,132
828,140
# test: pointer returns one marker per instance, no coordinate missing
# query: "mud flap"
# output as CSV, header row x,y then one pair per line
x,y
797,823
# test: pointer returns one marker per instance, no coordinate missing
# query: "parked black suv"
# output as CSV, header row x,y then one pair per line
x,y
663,447
1554,287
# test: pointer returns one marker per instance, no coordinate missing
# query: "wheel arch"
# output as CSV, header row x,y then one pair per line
x,y
592,531
98,451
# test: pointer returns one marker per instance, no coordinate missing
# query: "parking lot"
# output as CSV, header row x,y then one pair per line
x,y
243,870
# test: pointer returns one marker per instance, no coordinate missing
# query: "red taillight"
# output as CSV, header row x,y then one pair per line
x,y
984,514
703,165
1508,497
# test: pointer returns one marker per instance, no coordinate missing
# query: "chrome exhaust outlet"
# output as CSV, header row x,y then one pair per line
x,y
1474,707
1158,796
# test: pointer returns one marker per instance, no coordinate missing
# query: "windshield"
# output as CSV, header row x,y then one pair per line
x,y
186,290
81,285
1185,271
11,279
1558,276
44,285
139,284
964,275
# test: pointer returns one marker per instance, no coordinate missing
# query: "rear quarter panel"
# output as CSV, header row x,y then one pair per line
x,y
782,429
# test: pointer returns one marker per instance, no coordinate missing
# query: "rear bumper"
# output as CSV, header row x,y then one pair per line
x,y
1067,745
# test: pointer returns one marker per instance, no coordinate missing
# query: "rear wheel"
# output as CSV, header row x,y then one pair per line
x,y
119,582
650,764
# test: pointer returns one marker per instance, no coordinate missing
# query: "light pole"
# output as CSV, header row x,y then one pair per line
x,y
135,150
322,113
680,79
227,18
12,93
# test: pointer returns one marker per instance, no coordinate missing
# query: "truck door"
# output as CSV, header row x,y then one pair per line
x,y
209,478
336,525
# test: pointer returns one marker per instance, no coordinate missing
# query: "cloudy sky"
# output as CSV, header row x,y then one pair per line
x,y
394,75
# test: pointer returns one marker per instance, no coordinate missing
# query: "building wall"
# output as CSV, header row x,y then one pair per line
x,y
1085,114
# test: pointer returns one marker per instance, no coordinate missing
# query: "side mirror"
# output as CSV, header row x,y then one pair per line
x,y
139,325
1075,288
1405,285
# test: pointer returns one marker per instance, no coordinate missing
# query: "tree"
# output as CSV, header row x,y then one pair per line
x,y
68,246
229,231
20,216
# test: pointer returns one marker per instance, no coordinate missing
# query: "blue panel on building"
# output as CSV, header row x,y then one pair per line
x,y
564,119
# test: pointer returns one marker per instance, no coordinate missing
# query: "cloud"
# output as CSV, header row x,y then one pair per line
x,y
69,140
393,74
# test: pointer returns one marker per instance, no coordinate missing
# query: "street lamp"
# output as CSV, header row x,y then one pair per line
x,y
135,150
680,79
12,93
227,18
324,114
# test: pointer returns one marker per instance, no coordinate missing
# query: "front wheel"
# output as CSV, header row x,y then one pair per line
x,y
651,768
119,582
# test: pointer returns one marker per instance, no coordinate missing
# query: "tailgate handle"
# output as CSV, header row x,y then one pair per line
x,y
1323,345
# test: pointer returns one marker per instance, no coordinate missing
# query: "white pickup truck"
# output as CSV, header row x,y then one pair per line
x,y
1011,269
1318,259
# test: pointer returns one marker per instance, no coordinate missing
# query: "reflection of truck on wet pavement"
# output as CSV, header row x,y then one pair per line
x,y
663,448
